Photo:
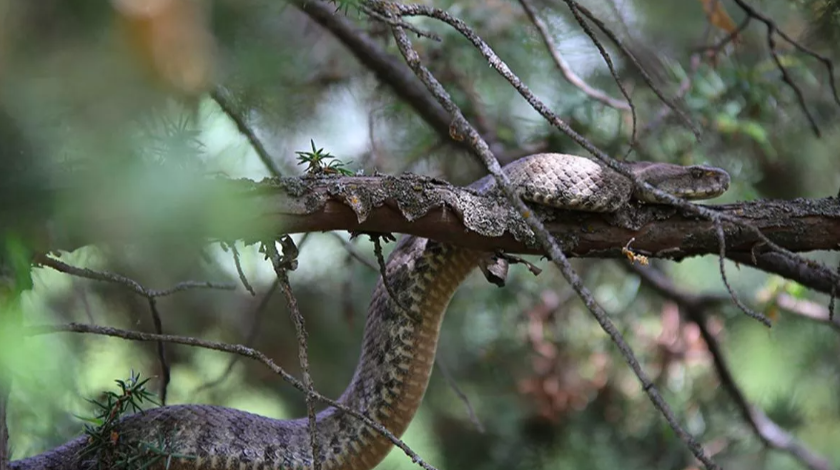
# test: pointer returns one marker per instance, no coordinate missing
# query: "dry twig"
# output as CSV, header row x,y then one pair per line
x,y
225,102
461,395
238,264
773,29
722,258
151,296
577,7
564,66
282,265
353,252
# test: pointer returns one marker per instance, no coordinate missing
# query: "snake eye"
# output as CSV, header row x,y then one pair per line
x,y
696,173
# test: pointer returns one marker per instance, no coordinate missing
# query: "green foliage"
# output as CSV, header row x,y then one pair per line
x,y
105,443
320,162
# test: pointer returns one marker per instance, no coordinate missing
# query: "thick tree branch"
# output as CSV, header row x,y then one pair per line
x,y
434,209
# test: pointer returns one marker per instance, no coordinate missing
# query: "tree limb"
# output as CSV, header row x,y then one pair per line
x,y
434,209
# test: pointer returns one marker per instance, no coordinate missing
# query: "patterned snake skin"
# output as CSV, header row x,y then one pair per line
x,y
398,350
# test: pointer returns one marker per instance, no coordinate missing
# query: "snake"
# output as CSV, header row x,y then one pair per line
x,y
398,350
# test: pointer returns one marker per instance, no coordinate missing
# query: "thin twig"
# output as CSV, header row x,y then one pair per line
x,y
463,397
129,283
233,349
134,286
772,29
716,48
575,6
398,22
256,321
352,251
829,66
283,264
225,102
386,67
238,263
722,259
461,129
564,66
380,259
161,351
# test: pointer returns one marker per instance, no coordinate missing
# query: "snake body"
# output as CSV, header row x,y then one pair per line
x,y
398,350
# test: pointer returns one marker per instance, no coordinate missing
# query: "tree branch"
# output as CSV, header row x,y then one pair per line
x,y
434,209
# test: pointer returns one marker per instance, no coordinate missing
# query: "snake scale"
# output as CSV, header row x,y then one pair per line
x,y
398,350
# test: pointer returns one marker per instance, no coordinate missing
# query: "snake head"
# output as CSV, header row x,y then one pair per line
x,y
687,182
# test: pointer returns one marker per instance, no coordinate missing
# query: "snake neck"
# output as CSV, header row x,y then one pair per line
x,y
398,350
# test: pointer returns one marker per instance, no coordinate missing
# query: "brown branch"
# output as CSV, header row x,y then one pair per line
x,y
238,349
804,273
461,129
659,282
282,265
433,209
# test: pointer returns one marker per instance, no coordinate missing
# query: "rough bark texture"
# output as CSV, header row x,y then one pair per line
x,y
434,209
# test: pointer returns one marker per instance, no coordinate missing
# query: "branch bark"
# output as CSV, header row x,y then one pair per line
x,y
434,209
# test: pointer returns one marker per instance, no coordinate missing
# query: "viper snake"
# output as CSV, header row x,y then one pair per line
x,y
398,350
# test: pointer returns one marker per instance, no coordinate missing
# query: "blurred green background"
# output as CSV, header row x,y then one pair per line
x,y
103,100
